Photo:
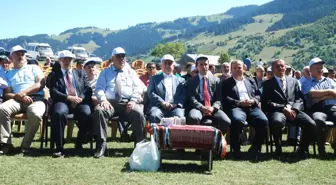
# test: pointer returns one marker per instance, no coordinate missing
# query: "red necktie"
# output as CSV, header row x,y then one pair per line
x,y
206,94
70,88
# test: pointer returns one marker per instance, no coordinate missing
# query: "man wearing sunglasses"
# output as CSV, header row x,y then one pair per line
x,y
166,92
119,92
23,94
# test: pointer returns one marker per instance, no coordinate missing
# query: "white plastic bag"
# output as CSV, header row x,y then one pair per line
x,y
145,156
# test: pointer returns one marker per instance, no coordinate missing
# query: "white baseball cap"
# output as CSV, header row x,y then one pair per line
x,y
167,57
17,48
118,50
201,56
269,69
91,60
316,60
66,54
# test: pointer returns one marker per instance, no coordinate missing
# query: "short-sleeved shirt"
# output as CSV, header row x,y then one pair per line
x,y
322,84
23,78
3,82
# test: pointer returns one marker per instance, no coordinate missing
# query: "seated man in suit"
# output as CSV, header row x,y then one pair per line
x,y
70,93
24,94
241,97
166,92
320,93
204,97
119,91
281,100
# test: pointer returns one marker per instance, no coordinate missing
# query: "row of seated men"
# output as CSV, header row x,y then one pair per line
x,y
230,104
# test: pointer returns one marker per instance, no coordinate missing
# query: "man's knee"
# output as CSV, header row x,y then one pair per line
x,y
222,117
195,116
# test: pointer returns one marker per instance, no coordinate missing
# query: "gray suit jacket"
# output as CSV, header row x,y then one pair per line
x,y
157,91
194,92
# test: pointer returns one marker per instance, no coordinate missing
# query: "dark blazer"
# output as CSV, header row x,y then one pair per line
x,y
58,88
230,97
273,99
194,92
157,91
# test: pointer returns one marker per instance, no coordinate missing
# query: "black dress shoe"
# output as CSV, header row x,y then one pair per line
x,y
302,154
78,145
237,154
57,154
6,149
100,151
278,150
254,152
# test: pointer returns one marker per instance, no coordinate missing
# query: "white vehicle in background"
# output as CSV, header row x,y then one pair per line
x,y
40,51
79,52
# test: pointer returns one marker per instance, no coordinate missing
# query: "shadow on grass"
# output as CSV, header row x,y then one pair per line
x,y
174,168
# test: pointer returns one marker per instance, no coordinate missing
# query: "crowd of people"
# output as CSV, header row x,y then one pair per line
x,y
271,98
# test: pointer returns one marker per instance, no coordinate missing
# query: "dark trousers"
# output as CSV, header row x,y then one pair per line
x,y
219,119
255,118
82,114
327,114
278,120
156,114
135,117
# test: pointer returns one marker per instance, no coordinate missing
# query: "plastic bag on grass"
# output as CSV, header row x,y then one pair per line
x,y
145,156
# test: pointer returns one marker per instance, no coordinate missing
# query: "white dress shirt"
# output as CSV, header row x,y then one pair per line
x,y
242,91
168,83
281,82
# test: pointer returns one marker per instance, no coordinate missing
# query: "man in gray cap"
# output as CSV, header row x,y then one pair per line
x,y
23,94
119,92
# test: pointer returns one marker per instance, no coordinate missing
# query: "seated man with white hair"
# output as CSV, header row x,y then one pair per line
x,y
119,91
166,92
23,94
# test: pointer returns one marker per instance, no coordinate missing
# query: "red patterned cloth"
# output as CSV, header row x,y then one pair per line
x,y
189,136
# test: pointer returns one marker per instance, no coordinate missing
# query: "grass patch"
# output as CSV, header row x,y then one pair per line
x,y
81,168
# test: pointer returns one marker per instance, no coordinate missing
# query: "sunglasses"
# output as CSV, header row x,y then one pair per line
x,y
151,67
121,55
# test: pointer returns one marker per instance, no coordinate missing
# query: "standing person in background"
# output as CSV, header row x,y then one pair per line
x,y
212,69
177,70
260,62
151,71
79,64
269,73
48,62
331,74
225,69
188,69
248,63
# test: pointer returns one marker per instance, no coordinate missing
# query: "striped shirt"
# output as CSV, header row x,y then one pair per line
x,y
322,84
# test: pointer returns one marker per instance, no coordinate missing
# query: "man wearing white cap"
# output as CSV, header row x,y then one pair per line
x,y
119,92
320,93
166,92
71,94
24,93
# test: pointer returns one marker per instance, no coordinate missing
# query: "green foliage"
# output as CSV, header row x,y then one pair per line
x,y
177,49
224,57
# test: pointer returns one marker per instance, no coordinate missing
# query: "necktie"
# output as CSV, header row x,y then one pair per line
x,y
283,85
70,87
117,89
206,94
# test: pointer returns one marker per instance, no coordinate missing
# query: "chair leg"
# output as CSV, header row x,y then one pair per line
x,y
71,125
114,127
266,140
46,133
19,126
296,136
42,133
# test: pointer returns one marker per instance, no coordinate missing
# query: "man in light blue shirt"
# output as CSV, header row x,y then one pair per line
x,y
119,92
320,93
23,94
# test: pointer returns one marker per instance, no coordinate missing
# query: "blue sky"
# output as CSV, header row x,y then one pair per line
x,y
30,17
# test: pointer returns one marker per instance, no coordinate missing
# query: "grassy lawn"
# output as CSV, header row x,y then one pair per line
x,y
81,168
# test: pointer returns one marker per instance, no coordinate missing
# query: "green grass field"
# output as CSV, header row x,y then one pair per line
x,y
80,168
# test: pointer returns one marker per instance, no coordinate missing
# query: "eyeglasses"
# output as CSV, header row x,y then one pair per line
x,y
151,67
